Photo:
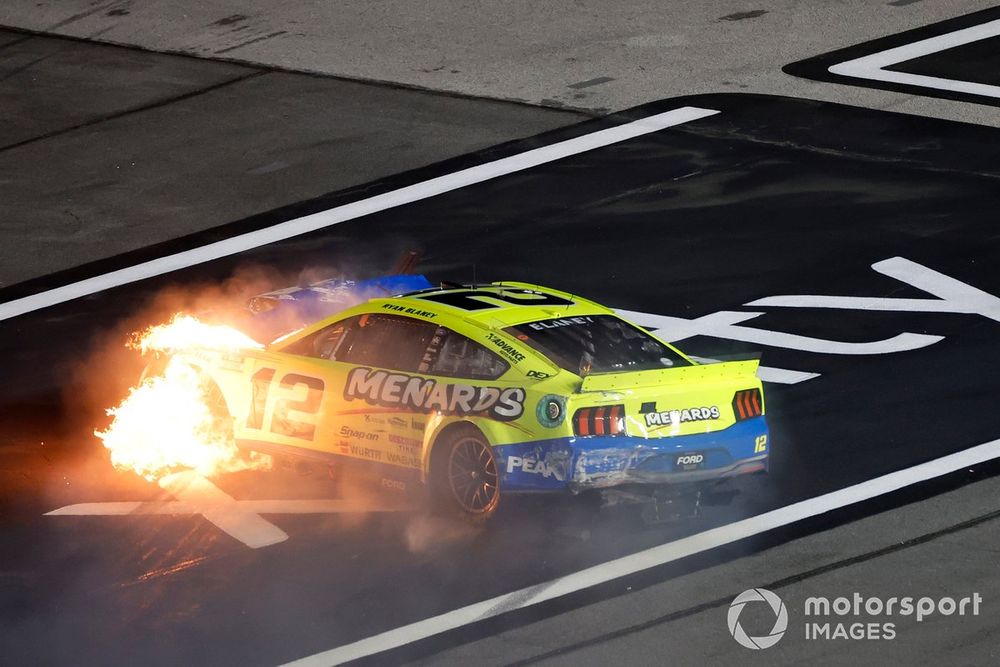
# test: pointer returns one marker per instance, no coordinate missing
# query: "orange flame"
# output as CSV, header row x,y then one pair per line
x,y
185,332
171,421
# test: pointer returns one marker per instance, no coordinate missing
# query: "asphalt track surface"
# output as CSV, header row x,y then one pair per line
x,y
771,196
105,149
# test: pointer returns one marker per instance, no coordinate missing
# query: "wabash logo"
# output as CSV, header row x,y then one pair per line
x,y
425,394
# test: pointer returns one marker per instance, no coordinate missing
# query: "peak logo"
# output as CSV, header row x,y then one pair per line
x,y
777,607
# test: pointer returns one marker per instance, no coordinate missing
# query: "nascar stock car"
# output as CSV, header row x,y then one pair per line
x,y
482,391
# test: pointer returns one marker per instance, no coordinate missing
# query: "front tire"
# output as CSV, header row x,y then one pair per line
x,y
464,477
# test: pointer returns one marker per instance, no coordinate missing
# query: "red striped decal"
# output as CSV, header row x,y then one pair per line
x,y
599,423
755,397
616,420
583,422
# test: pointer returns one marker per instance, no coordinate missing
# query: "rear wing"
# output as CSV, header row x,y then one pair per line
x,y
723,370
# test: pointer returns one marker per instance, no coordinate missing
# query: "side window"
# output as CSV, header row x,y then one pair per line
x,y
463,358
328,340
325,342
386,341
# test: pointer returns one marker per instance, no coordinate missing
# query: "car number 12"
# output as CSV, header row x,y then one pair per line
x,y
263,382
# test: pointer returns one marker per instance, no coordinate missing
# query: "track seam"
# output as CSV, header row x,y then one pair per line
x,y
380,83
133,110
15,42
777,584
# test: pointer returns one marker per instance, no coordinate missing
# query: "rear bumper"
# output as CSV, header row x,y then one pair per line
x,y
578,463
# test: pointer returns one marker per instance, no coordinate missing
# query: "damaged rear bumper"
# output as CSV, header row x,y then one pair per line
x,y
579,463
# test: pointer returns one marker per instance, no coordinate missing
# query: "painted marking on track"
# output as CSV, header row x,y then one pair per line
x,y
238,518
653,557
873,66
356,209
954,296
723,324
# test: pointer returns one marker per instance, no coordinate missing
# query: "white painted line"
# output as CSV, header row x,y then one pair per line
x,y
357,209
221,509
873,66
177,507
660,555
724,324
238,518
953,296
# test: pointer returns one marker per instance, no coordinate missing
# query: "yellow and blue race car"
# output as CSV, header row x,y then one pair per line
x,y
483,391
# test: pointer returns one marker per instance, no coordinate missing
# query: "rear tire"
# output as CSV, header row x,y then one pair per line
x,y
464,476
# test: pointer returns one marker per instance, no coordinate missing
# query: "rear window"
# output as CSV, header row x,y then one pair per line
x,y
596,344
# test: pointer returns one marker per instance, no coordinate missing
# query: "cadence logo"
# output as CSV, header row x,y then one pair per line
x,y
780,618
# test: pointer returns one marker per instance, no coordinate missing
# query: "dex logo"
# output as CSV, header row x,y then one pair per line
x,y
777,607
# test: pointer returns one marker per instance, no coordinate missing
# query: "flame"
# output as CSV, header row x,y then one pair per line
x,y
185,332
174,421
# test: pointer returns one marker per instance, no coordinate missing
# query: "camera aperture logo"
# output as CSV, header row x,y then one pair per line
x,y
780,618
857,617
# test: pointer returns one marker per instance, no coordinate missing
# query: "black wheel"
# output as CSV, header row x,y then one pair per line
x,y
464,476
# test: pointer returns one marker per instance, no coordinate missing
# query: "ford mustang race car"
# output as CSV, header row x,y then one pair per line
x,y
482,391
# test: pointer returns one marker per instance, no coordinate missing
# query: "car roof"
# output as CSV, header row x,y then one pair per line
x,y
491,308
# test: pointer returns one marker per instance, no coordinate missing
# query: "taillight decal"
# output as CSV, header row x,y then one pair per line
x,y
746,404
615,421
604,420
599,422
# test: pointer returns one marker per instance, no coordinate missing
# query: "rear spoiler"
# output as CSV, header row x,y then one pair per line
x,y
697,373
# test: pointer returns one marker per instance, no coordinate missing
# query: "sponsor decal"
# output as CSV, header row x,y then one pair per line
x,y
348,432
561,322
378,387
668,417
551,410
505,348
408,311
540,375
393,484
405,442
535,466
686,460
371,419
407,460
366,452
418,425
398,422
